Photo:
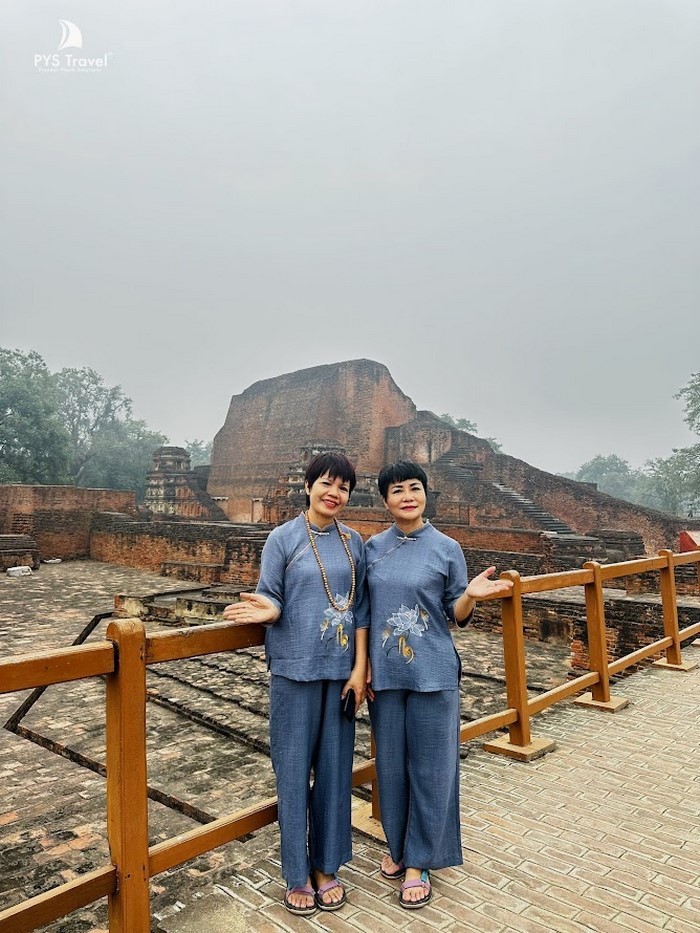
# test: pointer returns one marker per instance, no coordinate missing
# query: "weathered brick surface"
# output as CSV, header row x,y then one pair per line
x,y
58,517
267,423
601,834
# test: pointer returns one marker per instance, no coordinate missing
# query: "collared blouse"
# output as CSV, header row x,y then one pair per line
x,y
414,581
313,640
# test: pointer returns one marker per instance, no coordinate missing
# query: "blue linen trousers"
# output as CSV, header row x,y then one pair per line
x,y
416,737
308,731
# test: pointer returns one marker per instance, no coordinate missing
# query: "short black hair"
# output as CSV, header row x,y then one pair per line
x,y
399,472
336,465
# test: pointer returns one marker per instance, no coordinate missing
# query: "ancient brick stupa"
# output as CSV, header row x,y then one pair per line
x,y
275,425
347,406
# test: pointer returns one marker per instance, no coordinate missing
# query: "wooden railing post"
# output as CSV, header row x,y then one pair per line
x,y
366,817
667,584
599,697
376,812
127,803
518,743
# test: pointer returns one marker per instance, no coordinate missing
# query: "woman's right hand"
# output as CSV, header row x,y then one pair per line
x,y
253,607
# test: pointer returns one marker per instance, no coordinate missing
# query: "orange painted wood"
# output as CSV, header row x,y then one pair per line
x,y
629,567
487,724
55,667
127,803
670,607
44,908
376,812
550,697
180,848
514,658
689,632
595,624
639,655
202,639
691,557
541,583
364,773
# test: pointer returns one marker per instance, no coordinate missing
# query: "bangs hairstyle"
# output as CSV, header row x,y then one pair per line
x,y
336,465
399,472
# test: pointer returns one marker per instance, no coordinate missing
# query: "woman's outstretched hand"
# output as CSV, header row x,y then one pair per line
x,y
253,607
480,586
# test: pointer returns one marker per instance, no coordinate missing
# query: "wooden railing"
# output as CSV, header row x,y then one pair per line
x,y
123,659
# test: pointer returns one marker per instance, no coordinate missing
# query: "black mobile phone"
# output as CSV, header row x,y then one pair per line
x,y
348,703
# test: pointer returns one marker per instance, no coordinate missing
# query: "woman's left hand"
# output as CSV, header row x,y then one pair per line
x,y
480,586
356,682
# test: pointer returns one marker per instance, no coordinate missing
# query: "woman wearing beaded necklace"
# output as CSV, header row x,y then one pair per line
x,y
312,595
417,580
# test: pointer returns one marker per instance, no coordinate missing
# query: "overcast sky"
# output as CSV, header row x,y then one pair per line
x,y
498,199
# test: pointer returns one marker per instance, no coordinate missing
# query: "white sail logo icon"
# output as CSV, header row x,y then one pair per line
x,y
72,37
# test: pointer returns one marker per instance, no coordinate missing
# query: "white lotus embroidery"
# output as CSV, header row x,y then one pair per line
x,y
335,622
401,625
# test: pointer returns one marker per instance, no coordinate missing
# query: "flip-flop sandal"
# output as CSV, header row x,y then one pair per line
x,y
424,881
292,908
324,889
394,875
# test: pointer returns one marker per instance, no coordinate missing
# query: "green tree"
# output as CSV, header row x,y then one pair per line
x,y
199,451
462,423
34,444
87,408
470,426
691,396
121,454
614,476
673,483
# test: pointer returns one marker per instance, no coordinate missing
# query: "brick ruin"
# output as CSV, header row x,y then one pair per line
x,y
208,525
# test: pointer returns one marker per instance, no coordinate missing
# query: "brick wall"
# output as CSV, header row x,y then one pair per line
x,y
268,422
154,545
583,508
58,517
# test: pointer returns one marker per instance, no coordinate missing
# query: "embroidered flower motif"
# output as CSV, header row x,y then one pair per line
x,y
336,621
401,625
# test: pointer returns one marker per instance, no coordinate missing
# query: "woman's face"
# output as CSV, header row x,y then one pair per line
x,y
406,501
327,496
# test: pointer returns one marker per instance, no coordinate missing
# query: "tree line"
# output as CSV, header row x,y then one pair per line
x,y
668,483
69,428
671,484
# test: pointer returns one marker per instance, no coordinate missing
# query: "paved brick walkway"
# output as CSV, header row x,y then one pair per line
x,y
602,834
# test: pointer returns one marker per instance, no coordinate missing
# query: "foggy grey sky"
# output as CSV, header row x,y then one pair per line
x,y
497,199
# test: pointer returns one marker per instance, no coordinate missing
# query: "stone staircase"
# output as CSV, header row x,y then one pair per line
x,y
544,519
449,469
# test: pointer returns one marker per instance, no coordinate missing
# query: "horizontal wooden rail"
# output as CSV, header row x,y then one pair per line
x,y
541,583
629,659
486,724
689,557
689,632
57,902
180,848
42,668
202,639
550,697
629,567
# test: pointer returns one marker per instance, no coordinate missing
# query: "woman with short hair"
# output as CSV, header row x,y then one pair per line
x,y
417,580
312,595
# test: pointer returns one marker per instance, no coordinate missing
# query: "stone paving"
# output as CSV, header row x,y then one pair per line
x,y
600,835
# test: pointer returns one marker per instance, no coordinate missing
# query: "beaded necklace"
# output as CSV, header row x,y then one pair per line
x,y
312,542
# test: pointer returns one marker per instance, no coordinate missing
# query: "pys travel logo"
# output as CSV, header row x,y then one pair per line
x,y
69,62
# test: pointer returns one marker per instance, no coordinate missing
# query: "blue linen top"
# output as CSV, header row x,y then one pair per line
x,y
414,581
311,640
